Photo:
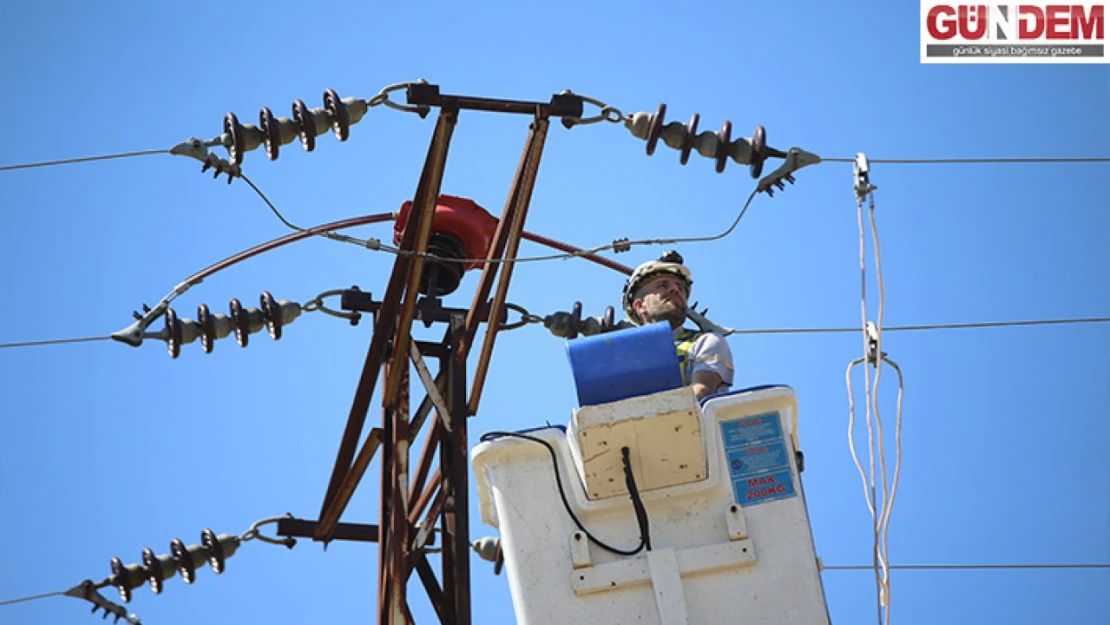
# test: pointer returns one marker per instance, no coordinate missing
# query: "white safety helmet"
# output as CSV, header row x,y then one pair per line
x,y
670,262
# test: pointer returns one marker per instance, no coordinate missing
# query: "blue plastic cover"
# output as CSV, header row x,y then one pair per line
x,y
628,363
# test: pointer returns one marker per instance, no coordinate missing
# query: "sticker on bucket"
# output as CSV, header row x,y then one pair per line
x,y
757,459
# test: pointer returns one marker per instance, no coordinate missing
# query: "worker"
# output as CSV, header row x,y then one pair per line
x,y
659,290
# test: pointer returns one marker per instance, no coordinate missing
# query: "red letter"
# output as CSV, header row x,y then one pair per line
x,y
1086,26
1057,15
1030,22
939,29
978,14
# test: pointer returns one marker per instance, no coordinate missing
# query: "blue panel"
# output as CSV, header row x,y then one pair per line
x,y
627,363
758,463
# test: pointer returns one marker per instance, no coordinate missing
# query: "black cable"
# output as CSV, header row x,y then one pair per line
x,y
637,503
559,483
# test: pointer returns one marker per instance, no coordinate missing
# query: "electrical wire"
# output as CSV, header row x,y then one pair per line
x,y
55,342
645,540
966,567
367,243
84,159
730,331
941,161
32,597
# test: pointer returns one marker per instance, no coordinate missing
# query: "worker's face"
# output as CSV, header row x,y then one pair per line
x,y
663,298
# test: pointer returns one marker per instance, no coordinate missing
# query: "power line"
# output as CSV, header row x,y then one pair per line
x,y
943,326
962,567
84,159
54,342
33,597
930,161
938,326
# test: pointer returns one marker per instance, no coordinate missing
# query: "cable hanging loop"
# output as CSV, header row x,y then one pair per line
x,y
383,98
525,317
608,113
317,304
253,532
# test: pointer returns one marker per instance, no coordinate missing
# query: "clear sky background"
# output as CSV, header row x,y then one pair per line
x,y
106,449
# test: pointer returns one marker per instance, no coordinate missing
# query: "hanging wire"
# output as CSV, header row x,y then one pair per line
x,y
367,243
728,331
619,245
84,159
55,342
966,567
939,161
33,597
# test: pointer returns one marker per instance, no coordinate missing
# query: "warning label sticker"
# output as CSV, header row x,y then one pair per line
x,y
758,464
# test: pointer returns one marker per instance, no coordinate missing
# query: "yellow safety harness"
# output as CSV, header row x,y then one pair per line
x,y
682,344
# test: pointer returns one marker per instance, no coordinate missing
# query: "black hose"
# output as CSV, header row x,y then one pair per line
x,y
637,504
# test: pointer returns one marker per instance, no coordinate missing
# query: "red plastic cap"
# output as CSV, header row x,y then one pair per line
x,y
459,217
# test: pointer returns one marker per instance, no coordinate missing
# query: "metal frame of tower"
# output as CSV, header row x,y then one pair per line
x,y
436,493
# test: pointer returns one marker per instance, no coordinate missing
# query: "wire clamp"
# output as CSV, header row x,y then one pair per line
x,y
87,590
861,169
796,158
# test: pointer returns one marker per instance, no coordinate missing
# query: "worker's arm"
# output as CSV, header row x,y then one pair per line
x,y
705,383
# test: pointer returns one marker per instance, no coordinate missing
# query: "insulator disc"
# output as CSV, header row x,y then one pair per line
x,y
655,128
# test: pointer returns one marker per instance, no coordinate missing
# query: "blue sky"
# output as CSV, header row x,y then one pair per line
x,y
105,449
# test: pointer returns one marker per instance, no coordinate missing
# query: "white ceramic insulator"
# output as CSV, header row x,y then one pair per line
x,y
289,310
287,130
674,135
706,144
190,330
322,120
223,324
356,108
255,320
638,124
741,151
252,137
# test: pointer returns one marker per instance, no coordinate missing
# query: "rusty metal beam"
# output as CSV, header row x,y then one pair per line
x,y
431,585
425,496
427,195
523,198
386,319
398,530
564,104
454,491
299,528
347,487
431,446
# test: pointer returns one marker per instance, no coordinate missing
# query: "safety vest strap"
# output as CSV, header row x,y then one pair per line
x,y
682,345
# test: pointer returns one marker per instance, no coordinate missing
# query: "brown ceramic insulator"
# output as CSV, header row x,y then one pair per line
x,y
305,124
271,136
576,320
234,129
759,151
207,328
216,556
724,139
272,312
655,128
173,333
691,134
242,324
337,111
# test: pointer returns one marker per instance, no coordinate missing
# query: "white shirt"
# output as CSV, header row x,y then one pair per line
x,y
710,352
